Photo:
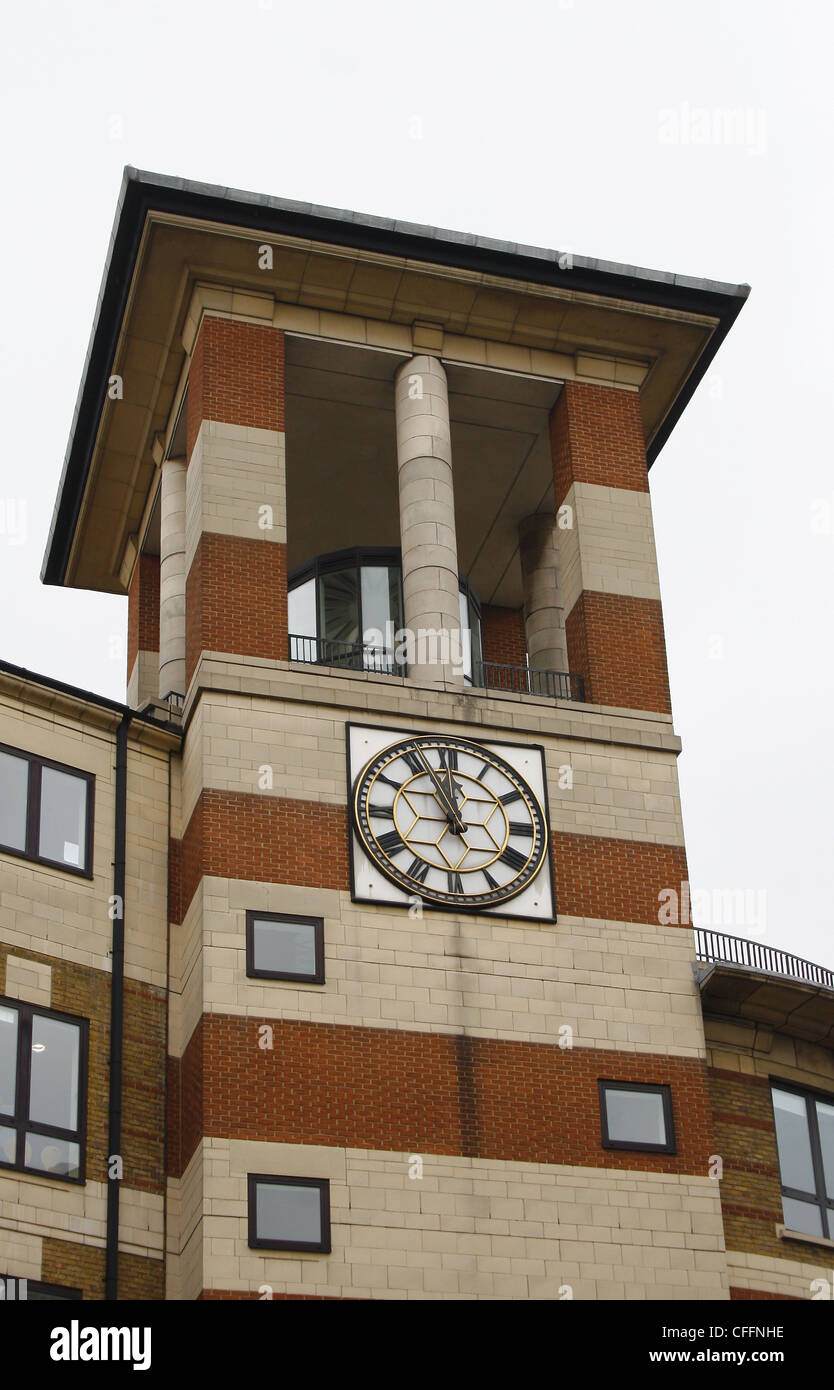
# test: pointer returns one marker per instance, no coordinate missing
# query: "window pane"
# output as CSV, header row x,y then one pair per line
x,y
463,608
63,817
286,947
793,1141
14,783
53,1094
8,1145
339,598
288,1213
825,1116
635,1117
8,1059
50,1155
301,609
802,1216
37,1294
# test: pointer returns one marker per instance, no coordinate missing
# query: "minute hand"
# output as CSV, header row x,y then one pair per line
x,y
451,810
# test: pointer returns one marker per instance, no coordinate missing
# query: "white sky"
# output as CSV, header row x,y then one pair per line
x,y
578,125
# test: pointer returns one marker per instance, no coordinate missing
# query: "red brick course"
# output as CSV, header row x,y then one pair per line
x,y
269,839
596,436
616,880
387,1089
237,376
503,635
236,599
264,839
143,609
617,644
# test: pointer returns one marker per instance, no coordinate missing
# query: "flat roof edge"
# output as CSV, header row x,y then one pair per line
x,y
143,192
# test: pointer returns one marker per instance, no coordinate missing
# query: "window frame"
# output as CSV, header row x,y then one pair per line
x,y
253,973
819,1199
639,1146
20,1121
30,853
58,1291
256,1242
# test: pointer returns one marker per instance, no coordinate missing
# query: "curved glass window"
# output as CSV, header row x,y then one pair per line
x,y
346,609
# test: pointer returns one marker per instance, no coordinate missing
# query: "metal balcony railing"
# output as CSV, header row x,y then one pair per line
x,y
487,675
736,950
555,685
350,656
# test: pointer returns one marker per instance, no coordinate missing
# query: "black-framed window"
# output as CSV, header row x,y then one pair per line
x,y
289,1213
34,1290
282,947
337,600
804,1124
43,1082
46,811
635,1115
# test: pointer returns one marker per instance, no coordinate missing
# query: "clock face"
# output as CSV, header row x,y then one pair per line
x,y
451,821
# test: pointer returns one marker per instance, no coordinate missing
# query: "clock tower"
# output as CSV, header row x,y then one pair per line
x,y
379,497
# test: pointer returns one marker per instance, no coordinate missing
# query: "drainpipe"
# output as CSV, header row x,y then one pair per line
x,y
117,956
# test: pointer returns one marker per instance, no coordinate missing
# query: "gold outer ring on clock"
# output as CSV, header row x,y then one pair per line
x,y
399,877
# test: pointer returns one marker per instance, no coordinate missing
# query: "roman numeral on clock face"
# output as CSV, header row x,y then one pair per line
x,y
455,883
391,842
513,859
413,760
418,869
509,797
384,812
448,757
519,827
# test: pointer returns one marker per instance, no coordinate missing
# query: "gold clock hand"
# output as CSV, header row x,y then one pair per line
x,y
451,811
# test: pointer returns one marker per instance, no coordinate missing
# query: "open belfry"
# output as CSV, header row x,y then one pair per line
x,y
334,963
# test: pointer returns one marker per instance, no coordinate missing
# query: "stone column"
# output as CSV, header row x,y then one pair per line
x,y
544,617
427,522
172,579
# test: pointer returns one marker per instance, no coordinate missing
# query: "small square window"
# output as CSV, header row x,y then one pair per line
x,y
279,947
636,1116
289,1213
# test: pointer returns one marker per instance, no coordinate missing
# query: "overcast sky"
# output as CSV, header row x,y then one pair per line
x,y
694,138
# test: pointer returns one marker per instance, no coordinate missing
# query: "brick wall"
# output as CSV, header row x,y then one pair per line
x,y
270,839
77,1266
236,599
143,609
421,1092
617,644
596,436
503,635
237,376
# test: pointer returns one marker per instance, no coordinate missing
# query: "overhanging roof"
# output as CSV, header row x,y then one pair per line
x,y
176,203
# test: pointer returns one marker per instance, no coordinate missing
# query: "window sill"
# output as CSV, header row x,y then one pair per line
x,y
784,1233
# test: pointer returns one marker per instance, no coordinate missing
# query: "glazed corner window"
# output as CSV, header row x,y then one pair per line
x,y
635,1116
285,948
805,1141
289,1213
46,811
43,1058
33,1291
